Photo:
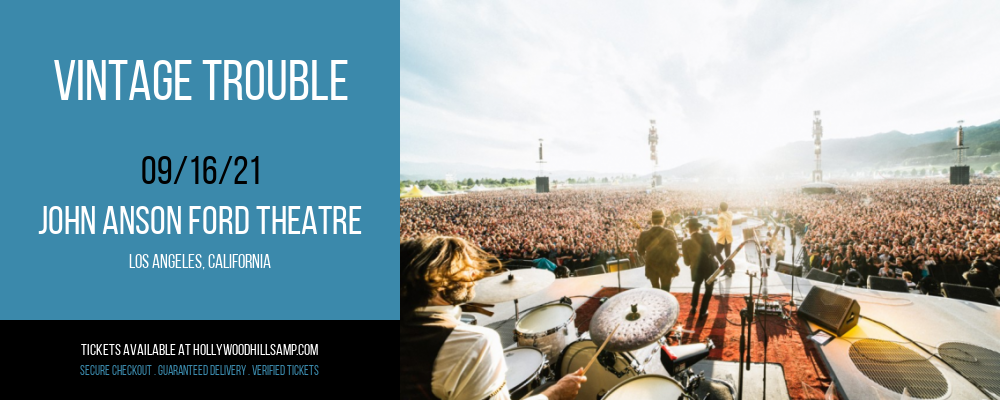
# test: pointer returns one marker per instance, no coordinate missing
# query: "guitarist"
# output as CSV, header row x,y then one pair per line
x,y
700,254
658,246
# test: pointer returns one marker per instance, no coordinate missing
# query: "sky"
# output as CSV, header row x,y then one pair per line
x,y
481,82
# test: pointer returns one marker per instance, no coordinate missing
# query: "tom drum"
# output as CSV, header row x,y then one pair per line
x,y
548,328
524,365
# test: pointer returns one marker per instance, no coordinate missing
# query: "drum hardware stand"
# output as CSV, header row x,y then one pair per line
x,y
690,381
517,312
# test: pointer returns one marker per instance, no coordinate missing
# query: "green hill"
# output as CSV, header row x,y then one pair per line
x,y
884,151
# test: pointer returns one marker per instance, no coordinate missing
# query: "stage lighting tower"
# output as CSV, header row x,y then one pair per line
x,y
653,140
959,174
817,139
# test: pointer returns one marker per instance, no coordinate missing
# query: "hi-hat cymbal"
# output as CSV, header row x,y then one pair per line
x,y
512,285
645,316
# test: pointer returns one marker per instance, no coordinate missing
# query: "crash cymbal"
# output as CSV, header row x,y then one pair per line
x,y
645,316
512,285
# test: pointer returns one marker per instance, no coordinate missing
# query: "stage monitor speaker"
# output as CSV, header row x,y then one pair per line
x,y
595,270
542,184
816,274
831,311
788,268
959,175
887,284
614,265
969,293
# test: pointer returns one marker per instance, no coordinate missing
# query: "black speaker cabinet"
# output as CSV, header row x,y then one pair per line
x,y
887,284
788,268
595,270
542,184
831,311
959,175
816,274
969,293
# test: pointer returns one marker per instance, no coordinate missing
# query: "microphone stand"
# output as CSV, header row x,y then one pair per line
x,y
792,301
763,291
746,323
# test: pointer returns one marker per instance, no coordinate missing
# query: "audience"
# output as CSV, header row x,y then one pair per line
x,y
887,228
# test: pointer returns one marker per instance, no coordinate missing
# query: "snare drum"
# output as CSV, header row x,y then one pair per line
x,y
608,370
524,365
548,328
645,387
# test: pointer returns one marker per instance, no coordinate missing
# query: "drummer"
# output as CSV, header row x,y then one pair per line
x,y
439,356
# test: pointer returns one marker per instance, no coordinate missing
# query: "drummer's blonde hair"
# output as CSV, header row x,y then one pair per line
x,y
447,265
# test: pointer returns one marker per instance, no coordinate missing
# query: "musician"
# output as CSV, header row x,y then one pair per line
x,y
701,255
725,231
658,246
439,356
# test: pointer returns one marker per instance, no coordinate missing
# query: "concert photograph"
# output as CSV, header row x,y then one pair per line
x,y
699,200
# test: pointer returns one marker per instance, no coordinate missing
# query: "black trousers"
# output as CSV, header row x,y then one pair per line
x,y
661,282
705,298
719,247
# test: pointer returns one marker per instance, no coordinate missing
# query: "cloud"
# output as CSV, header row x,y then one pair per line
x,y
481,82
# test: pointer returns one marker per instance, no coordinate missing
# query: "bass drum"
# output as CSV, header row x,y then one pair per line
x,y
645,387
608,370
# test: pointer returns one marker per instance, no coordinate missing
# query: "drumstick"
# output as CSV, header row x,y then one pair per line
x,y
601,348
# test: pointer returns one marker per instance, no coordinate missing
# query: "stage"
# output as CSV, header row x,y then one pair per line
x,y
932,321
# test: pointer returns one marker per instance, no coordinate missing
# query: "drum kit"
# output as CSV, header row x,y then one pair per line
x,y
628,334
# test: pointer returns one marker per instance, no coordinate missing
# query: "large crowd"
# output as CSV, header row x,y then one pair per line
x,y
911,228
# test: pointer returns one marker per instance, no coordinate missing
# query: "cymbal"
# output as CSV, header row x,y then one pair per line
x,y
645,316
512,285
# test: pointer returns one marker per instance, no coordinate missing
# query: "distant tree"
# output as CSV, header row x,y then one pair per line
x,y
923,172
988,148
944,171
988,170
468,182
913,172
503,181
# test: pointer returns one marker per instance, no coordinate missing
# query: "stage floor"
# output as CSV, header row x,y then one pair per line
x,y
926,319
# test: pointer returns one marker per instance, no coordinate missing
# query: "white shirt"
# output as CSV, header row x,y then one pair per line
x,y
470,364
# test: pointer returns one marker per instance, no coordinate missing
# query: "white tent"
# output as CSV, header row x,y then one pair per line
x,y
428,192
478,188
